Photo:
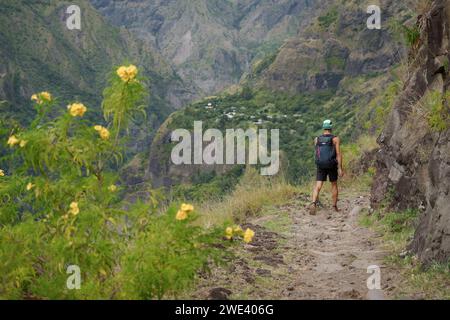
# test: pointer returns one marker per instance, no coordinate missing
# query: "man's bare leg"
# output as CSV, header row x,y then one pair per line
x,y
335,193
316,192
317,188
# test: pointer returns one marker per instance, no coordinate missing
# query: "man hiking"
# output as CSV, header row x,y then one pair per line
x,y
329,164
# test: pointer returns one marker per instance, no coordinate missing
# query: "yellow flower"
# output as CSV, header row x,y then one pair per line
x,y
112,188
248,235
30,186
103,132
42,97
2,173
229,233
46,96
12,141
132,71
238,230
121,71
77,109
74,208
127,73
181,215
23,143
184,211
187,207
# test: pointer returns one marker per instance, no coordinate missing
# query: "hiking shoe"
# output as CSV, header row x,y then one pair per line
x,y
312,209
336,209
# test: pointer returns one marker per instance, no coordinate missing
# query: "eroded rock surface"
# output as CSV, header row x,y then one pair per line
x,y
413,164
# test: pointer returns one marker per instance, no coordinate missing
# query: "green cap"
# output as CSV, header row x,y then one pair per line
x,y
327,125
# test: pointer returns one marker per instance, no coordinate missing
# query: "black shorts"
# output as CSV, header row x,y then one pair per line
x,y
322,174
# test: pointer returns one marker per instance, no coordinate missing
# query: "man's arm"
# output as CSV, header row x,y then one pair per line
x,y
337,143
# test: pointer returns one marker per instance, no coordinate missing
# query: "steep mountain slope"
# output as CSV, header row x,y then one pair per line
x,y
211,42
338,44
339,70
338,53
41,53
413,167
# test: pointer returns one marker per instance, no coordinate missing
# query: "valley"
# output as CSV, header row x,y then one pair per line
x,y
166,147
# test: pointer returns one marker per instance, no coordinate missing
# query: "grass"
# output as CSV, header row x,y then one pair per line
x,y
431,283
437,109
335,63
412,35
249,198
277,220
397,229
423,6
329,18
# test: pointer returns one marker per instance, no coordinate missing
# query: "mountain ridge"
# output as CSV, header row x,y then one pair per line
x,y
44,55
211,43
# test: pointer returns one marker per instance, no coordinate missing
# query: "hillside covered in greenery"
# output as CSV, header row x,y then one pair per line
x,y
337,70
42,54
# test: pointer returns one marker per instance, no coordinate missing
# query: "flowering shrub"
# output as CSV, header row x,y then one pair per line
x,y
237,232
60,205
167,255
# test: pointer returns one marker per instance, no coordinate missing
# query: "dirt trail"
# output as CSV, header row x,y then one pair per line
x,y
299,256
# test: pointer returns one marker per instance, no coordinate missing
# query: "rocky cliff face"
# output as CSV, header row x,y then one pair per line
x,y
211,42
413,164
338,44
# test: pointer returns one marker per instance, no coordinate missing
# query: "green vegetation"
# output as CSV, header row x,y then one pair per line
x,y
295,116
398,225
298,117
436,106
263,64
208,186
335,63
397,228
329,18
44,54
382,106
446,65
252,194
412,35
401,32
426,283
61,205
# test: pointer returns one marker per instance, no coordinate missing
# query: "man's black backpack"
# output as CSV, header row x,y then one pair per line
x,y
326,152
